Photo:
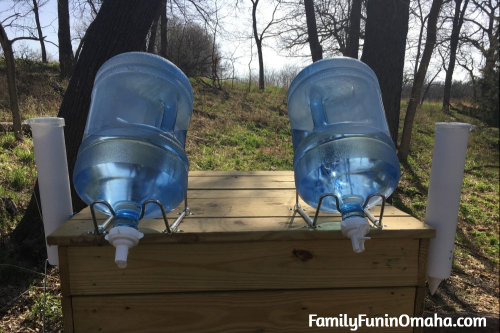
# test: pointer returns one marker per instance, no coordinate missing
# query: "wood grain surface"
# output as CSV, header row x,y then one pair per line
x,y
269,311
243,266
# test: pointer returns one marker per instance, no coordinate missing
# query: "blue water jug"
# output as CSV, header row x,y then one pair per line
x,y
133,144
341,139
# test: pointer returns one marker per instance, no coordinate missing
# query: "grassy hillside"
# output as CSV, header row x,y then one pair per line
x,y
237,129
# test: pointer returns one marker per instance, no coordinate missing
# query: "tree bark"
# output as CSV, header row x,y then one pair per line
x,y
352,46
11,83
420,36
384,51
458,20
163,29
154,30
312,31
66,57
258,43
116,29
39,29
418,82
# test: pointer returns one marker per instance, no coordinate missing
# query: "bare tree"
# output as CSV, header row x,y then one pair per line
x,y
333,20
384,51
87,10
312,31
163,28
458,20
11,83
484,36
428,85
66,57
352,47
416,91
418,14
36,5
26,13
249,66
154,28
467,62
6,44
259,37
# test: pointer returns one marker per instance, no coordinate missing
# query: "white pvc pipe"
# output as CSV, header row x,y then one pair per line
x,y
443,201
53,178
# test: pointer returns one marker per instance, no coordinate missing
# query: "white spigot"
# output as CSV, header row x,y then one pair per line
x,y
123,238
356,228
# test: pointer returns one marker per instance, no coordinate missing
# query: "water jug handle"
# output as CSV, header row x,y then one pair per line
x,y
316,105
169,115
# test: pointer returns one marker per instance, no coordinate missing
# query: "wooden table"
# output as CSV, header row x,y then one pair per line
x,y
240,265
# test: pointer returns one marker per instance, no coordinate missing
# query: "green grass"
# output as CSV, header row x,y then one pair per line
x,y
239,130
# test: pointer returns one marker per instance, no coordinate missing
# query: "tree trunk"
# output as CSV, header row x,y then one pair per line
x,y
458,20
352,46
384,51
65,50
116,29
39,29
258,43
11,83
416,90
154,30
420,36
429,84
312,31
163,29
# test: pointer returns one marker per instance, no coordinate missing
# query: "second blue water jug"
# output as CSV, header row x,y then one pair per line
x,y
133,145
340,136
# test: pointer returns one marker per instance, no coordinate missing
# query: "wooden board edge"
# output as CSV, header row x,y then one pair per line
x,y
237,237
422,261
419,306
67,312
64,271
288,173
92,311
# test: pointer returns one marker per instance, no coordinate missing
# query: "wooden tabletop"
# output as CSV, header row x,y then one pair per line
x,y
241,206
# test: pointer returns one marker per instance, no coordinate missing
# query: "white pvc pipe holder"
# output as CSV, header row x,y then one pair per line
x,y
53,178
443,201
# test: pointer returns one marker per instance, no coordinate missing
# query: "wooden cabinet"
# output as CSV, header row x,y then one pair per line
x,y
241,264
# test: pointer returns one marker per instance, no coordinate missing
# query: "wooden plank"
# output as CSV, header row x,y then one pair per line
x,y
249,193
264,265
67,312
270,311
240,173
419,306
242,182
64,270
421,279
422,261
198,230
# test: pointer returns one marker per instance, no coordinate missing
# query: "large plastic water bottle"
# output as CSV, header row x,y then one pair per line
x,y
133,145
341,140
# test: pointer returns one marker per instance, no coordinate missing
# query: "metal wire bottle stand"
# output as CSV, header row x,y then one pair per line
x,y
169,228
313,223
